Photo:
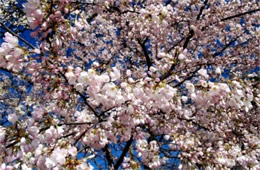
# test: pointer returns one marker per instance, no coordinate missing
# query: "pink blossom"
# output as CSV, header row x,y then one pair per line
x,y
12,118
181,57
2,134
71,77
218,70
203,72
51,134
59,156
109,75
79,87
115,74
83,78
190,87
10,39
5,167
38,113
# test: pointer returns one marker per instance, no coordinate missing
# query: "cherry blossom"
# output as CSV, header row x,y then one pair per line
x,y
156,84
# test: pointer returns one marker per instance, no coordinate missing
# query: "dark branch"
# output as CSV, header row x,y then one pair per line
x,y
81,95
225,47
148,60
85,100
191,34
92,17
241,14
169,72
201,9
174,45
187,78
83,133
121,158
16,35
11,144
109,157
75,123
195,123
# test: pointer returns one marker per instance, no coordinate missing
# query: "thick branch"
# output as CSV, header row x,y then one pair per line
x,y
109,157
148,60
92,17
191,34
121,158
201,9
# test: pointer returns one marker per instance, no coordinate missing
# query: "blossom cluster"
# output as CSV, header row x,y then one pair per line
x,y
126,84
11,55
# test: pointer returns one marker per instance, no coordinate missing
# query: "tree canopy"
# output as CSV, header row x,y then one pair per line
x,y
129,84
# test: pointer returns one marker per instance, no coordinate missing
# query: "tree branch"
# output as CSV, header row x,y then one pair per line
x,y
83,133
190,35
241,14
109,157
16,35
148,60
121,158
174,45
201,9
74,123
91,17
195,123
85,100
80,94
225,47
169,72
187,78
233,16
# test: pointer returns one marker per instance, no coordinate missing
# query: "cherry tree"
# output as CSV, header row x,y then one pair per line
x,y
129,84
